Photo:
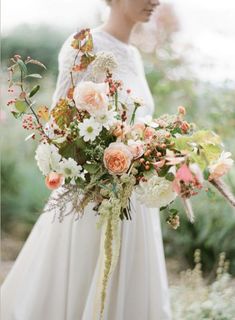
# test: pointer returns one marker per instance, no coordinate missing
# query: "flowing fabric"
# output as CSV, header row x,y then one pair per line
x,y
56,274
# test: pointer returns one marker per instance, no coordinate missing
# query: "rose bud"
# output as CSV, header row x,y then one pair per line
x,y
181,110
54,180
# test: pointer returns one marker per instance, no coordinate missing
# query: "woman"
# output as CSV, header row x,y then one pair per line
x,y
55,275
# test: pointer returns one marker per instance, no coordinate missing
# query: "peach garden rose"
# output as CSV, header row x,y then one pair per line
x,y
91,96
117,158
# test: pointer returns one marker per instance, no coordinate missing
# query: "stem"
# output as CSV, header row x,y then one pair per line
x,y
133,115
223,189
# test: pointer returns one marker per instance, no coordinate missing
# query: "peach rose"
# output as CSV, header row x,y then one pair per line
x,y
54,180
91,96
117,158
136,148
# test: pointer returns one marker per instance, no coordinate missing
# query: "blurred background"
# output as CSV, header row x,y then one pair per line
x,y
188,52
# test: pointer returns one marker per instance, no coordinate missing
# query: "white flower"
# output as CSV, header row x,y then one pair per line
x,y
50,127
148,119
69,168
195,169
48,158
89,129
106,119
156,192
105,60
91,96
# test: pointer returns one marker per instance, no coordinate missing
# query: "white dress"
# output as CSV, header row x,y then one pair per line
x,y
55,275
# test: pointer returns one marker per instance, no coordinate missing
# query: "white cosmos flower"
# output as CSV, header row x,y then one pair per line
x,y
148,119
69,168
89,129
156,192
48,158
106,119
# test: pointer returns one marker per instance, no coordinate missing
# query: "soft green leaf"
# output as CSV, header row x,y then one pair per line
x,y
32,61
199,159
211,151
22,66
34,75
21,105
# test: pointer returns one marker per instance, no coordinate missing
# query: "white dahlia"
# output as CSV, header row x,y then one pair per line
x,y
156,192
48,158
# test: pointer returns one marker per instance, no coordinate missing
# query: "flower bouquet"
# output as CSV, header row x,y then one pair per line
x,y
90,151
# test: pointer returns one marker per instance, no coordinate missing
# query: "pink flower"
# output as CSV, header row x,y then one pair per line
x,y
184,174
186,182
91,96
117,158
136,148
148,133
54,180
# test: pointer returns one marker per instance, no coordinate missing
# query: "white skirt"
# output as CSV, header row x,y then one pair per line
x,y
55,275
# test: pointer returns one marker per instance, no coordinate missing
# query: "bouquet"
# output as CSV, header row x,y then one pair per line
x,y
90,151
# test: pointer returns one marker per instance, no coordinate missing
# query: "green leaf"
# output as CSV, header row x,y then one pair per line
x,y
211,151
163,208
91,168
16,114
22,66
199,159
34,90
21,105
32,61
34,75
163,171
170,176
174,211
206,174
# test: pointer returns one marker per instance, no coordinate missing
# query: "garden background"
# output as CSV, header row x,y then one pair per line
x,y
188,53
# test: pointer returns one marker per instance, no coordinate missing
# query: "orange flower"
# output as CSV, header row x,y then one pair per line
x,y
43,113
54,180
117,158
185,126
